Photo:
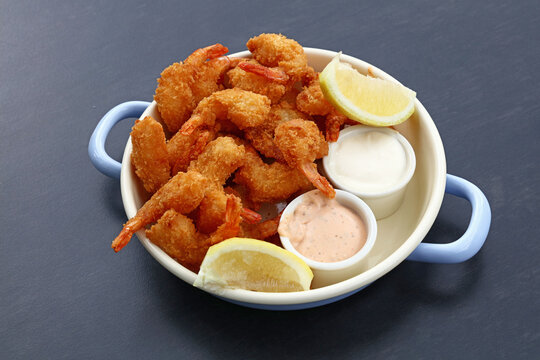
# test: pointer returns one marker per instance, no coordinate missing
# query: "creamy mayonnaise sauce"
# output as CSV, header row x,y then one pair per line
x,y
368,161
323,230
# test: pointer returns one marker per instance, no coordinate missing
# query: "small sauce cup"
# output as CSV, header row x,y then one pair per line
x,y
327,273
382,201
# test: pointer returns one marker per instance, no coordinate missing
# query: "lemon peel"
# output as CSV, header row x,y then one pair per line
x,y
242,263
370,101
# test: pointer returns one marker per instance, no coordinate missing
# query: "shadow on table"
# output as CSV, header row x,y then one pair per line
x,y
111,198
357,321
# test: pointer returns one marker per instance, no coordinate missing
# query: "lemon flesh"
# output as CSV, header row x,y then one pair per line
x,y
241,263
370,101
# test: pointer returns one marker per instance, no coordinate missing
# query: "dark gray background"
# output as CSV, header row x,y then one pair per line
x,y
65,294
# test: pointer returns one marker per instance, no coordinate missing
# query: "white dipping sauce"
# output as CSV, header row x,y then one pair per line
x,y
368,162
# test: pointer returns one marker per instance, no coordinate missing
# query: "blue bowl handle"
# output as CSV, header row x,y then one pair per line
x,y
472,240
96,148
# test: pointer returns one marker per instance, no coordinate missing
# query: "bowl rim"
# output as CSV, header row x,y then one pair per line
x,y
327,292
363,211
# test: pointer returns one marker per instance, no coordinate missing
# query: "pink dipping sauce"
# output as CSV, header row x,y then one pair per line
x,y
323,230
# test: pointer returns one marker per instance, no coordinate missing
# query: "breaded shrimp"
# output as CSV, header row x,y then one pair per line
x,y
274,74
285,111
217,162
261,230
255,82
334,120
290,96
311,100
243,108
210,77
269,182
241,192
149,154
182,85
182,149
211,212
249,215
301,142
262,137
275,50
176,234
220,158
183,193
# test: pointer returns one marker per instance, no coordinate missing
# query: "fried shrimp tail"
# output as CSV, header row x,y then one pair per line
x,y
251,216
309,169
183,192
231,226
260,82
206,53
190,126
131,227
273,74
212,211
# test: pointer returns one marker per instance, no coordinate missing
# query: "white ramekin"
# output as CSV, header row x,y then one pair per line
x,y
326,273
383,203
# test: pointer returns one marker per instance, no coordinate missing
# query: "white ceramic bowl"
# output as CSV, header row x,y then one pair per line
x,y
383,203
398,235
327,273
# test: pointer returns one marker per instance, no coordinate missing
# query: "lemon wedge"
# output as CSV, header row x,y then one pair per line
x,y
370,101
250,264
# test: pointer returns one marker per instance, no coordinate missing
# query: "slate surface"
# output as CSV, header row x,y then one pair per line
x,y
65,294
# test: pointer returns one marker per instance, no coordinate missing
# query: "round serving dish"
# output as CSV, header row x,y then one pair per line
x,y
399,236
